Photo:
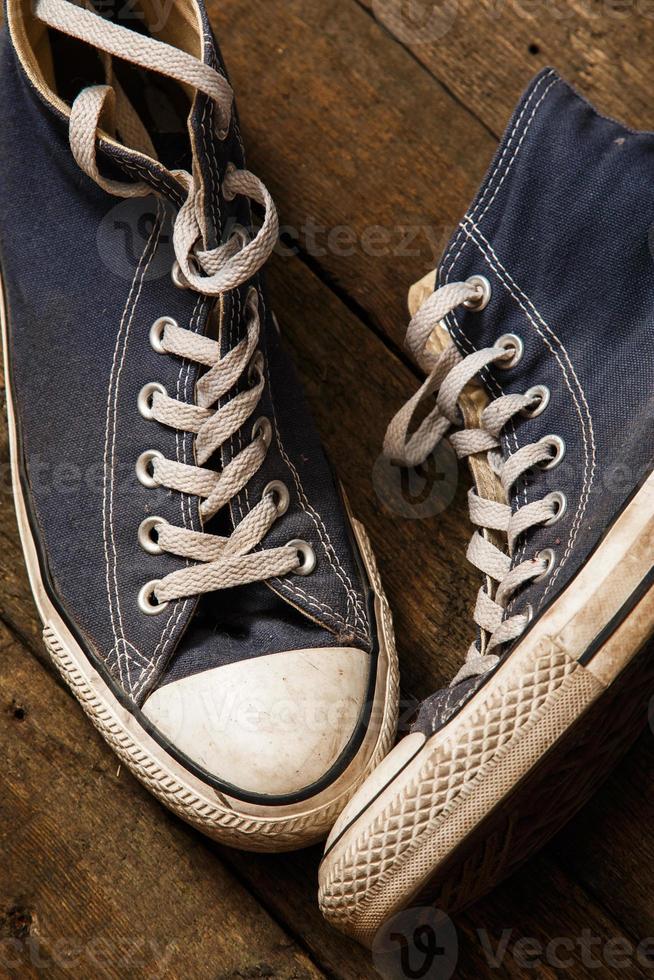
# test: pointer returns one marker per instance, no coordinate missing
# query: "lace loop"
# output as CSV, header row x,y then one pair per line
x,y
449,374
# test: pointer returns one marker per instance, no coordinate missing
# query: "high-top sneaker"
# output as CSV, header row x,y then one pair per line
x,y
202,588
537,333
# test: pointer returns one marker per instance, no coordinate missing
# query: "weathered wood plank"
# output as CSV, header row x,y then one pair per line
x,y
485,51
609,845
370,161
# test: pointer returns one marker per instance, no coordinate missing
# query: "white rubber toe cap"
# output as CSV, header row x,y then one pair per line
x,y
273,725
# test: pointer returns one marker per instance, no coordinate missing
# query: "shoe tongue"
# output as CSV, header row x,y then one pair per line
x,y
473,399
162,104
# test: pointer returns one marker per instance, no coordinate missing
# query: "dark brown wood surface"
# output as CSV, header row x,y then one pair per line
x,y
372,123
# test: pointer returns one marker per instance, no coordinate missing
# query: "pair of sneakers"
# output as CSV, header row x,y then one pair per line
x,y
203,587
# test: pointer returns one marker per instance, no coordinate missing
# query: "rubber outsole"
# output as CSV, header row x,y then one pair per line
x,y
481,795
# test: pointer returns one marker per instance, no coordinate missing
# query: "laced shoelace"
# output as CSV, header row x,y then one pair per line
x,y
448,374
221,562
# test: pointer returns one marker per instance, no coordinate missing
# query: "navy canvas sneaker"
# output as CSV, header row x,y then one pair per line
x,y
537,333
202,587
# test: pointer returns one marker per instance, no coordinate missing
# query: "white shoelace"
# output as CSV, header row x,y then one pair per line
x,y
222,562
448,374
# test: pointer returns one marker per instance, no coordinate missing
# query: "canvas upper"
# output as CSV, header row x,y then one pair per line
x,y
86,275
562,230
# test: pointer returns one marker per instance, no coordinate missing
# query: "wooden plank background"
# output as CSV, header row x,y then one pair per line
x,y
372,123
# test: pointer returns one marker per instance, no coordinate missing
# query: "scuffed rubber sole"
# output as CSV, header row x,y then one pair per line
x,y
244,825
519,759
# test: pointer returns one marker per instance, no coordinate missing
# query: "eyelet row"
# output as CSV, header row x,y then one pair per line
x,y
147,600
540,395
262,429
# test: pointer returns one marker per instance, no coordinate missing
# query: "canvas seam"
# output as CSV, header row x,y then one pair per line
x,y
155,179
352,598
444,274
496,170
210,153
187,519
589,452
110,443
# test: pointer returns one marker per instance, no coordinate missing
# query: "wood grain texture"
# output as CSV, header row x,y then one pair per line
x,y
371,162
483,51
373,147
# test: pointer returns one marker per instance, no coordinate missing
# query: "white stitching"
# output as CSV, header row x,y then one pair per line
x,y
496,170
110,442
444,274
591,461
291,588
169,190
332,557
210,153
187,518
330,613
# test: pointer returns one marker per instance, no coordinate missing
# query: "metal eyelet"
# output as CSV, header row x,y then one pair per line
x,y
148,601
482,283
144,401
143,468
548,555
178,277
147,542
157,332
262,429
558,445
255,370
560,501
306,554
514,348
529,613
541,394
280,494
